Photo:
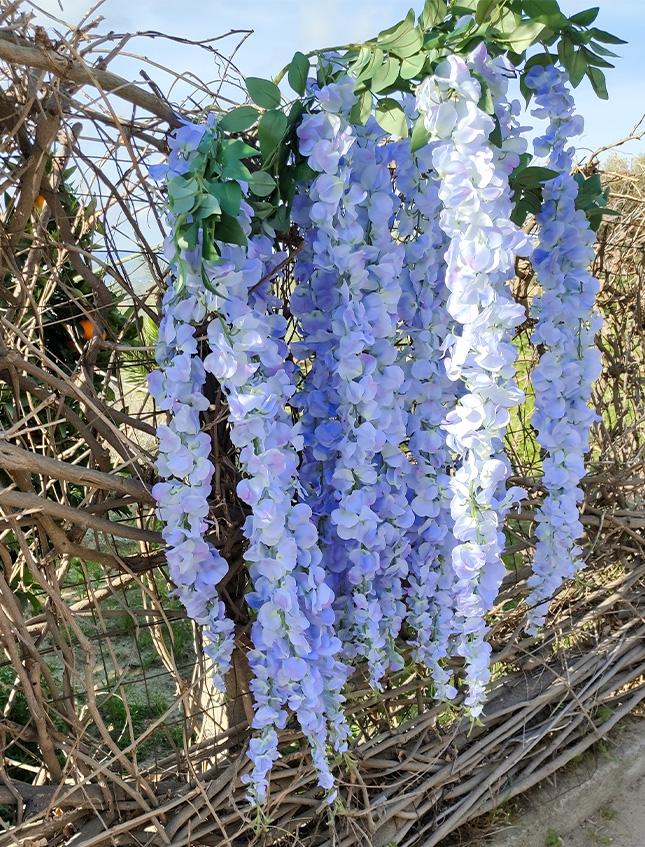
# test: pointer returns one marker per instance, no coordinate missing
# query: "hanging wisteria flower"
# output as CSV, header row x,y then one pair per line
x,y
294,656
566,326
380,512
196,567
353,413
429,394
480,259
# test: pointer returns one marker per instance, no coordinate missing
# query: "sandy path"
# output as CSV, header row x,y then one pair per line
x,y
620,823
599,802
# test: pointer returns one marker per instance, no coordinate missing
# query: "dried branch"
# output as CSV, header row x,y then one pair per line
x,y
18,51
79,517
15,458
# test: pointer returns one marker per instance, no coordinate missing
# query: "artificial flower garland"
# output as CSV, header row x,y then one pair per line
x,y
353,415
429,395
480,261
381,510
566,325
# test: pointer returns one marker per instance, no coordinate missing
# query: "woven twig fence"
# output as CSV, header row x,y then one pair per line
x,y
109,730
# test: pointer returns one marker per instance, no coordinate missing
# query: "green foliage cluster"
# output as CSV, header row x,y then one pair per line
x,y
256,142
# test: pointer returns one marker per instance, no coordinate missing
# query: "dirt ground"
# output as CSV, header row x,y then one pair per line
x,y
597,802
620,823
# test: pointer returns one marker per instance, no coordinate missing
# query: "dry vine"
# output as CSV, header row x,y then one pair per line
x,y
109,731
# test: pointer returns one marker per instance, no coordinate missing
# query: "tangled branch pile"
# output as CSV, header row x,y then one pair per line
x,y
110,731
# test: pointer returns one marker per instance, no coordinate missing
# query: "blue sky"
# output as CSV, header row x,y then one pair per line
x,y
283,26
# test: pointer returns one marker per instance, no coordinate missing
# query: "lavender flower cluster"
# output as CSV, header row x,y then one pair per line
x,y
381,510
565,328
196,567
480,260
354,420
294,659
429,394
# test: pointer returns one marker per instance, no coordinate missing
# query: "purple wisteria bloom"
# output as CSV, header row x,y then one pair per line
x,y
566,325
480,259
429,394
294,659
354,421
184,466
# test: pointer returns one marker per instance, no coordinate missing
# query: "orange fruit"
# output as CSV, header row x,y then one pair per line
x,y
89,330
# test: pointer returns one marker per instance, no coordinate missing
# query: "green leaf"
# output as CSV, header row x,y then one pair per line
x,y
484,8
271,130
361,60
229,230
228,194
545,12
591,185
263,92
386,36
532,176
578,67
183,194
577,37
495,136
459,36
362,109
602,51
597,61
386,74
605,37
209,249
520,211
208,205
420,135
280,221
391,117
508,21
287,183
597,80
187,236
486,102
232,168
239,119
374,61
262,184
295,113
434,11
524,36
412,66
403,39
183,205
464,7
180,187
298,72
262,209
235,148
566,54
586,17
303,172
